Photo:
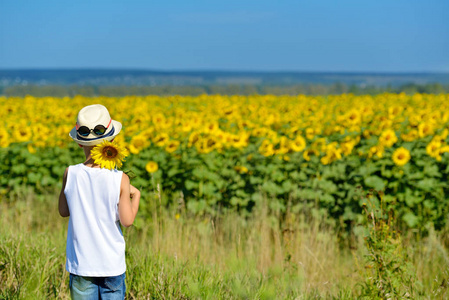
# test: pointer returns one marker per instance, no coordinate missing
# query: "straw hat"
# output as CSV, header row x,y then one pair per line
x,y
92,116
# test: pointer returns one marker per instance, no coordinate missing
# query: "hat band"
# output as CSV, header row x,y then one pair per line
x,y
110,133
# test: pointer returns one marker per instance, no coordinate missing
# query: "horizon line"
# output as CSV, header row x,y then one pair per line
x,y
219,70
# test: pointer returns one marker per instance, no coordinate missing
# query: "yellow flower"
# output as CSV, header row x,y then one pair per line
x,y
306,154
151,167
410,136
425,129
348,145
267,148
31,149
311,132
401,156
298,144
388,138
241,169
353,117
4,138
283,146
377,151
332,154
22,133
193,139
434,149
158,118
211,127
186,127
444,134
138,142
172,146
394,111
240,140
208,144
367,133
109,155
259,131
161,139
444,149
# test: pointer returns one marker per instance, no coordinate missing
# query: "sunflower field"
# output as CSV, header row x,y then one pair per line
x,y
218,152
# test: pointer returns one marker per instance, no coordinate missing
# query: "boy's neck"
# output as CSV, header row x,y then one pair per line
x,y
90,163
89,160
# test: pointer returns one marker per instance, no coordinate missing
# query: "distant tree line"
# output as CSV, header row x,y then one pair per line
x,y
235,89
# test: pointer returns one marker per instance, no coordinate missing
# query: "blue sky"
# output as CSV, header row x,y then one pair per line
x,y
249,35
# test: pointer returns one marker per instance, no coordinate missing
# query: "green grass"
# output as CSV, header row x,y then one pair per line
x,y
194,257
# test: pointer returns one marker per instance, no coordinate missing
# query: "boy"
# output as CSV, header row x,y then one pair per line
x,y
96,199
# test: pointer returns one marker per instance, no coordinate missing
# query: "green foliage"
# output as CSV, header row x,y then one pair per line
x,y
234,179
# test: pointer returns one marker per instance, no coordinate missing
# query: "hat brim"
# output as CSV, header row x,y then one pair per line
x,y
117,128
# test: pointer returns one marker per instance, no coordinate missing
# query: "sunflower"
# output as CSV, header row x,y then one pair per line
x,y
161,139
193,139
211,127
4,138
283,146
22,133
31,149
425,129
377,151
259,131
240,140
298,144
410,136
151,167
433,149
208,144
353,117
158,118
401,156
332,154
172,146
306,154
186,127
266,148
388,138
347,147
138,142
310,133
109,155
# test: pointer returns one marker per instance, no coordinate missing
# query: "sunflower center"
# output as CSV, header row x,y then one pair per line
x,y
110,152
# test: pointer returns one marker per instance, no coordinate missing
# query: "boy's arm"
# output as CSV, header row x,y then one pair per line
x,y
128,203
63,206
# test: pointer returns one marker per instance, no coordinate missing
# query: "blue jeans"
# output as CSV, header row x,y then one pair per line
x,y
90,288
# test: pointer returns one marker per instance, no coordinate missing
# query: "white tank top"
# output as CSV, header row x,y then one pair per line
x,y
95,243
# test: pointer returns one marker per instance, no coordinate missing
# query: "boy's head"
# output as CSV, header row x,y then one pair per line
x,y
94,125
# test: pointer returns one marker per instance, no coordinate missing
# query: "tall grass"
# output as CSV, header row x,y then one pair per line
x,y
174,255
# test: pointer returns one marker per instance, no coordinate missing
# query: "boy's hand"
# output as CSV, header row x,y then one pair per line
x,y
133,191
129,202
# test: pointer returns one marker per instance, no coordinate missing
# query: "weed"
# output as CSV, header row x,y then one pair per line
x,y
388,271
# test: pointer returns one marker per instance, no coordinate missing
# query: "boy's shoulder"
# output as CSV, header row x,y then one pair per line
x,y
84,167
